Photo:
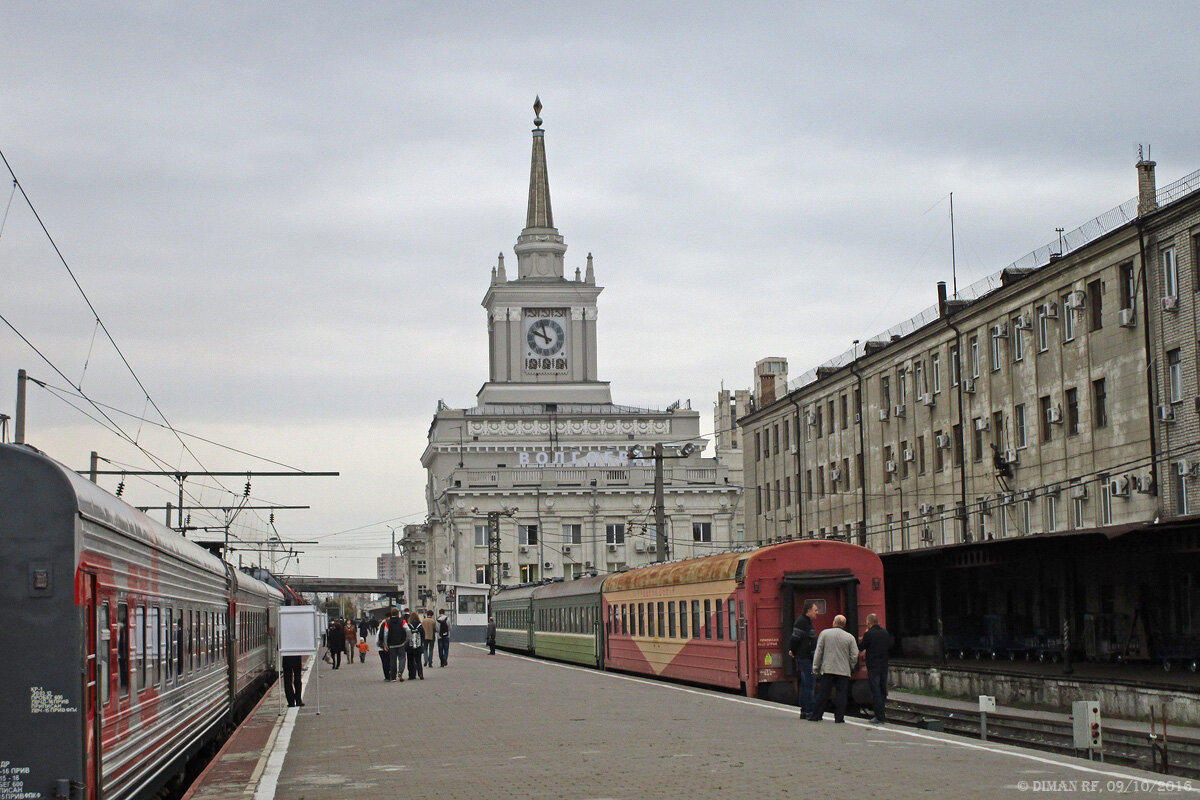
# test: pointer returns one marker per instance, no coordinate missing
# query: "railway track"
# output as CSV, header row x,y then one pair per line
x,y
1121,746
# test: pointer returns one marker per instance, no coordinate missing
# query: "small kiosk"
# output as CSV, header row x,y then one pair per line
x,y
468,604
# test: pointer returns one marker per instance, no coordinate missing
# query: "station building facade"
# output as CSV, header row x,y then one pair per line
x,y
1057,397
545,447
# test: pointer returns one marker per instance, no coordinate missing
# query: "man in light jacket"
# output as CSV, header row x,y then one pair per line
x,y
834,659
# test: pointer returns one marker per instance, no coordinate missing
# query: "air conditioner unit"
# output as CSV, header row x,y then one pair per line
x,y
835,474
943,441
504,568
889,466
1049,310
1023,322
1010,456
985,507
612,548
547,565
811,418
1053,490
524,549
1076,301
652,547
1170,304
1000,331
898,411
1183,468
566,549
926,508
639,546
883,413
1119,486
927,399
1144,484
982,424
587,565
1056,414
1079,491
968,385
1026,494
1006,499
910,455
1127,317
1166,412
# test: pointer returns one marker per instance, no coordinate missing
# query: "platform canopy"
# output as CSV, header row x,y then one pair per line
x,y
302,583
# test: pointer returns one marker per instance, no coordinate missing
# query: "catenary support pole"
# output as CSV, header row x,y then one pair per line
x,y
19,424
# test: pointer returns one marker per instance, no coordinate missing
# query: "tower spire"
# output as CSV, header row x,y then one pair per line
x,y
539,214
539,248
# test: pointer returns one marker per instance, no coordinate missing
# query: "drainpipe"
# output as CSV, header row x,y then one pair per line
x,y
962,425
1151,361
862,448
799,472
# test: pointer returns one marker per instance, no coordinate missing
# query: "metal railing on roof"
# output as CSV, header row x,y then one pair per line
x,y
1085,234
561,409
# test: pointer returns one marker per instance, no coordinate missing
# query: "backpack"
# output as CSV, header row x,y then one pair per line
x,y
414,637
443,628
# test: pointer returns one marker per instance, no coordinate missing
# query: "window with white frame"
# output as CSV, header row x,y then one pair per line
x,y
1026,516
1043,330
701,531
1175,375
1068,320
572,533
1181,492
529,573
421,567
614,533
527,534
935,366
1051,508
481,573
1170,272
996,348
955,367
973,356
1019,426
1077,510
1018,341
1106,517
481,535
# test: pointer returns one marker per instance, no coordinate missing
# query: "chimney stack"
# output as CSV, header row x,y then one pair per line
x,y
1147,194
941,298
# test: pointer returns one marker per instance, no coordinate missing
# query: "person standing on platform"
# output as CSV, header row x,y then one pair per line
x,y
364,629
335,640
834,660
428,632
397,638
803,642
292,688
443,637
416,647
351,640
875,644
491,636
382,646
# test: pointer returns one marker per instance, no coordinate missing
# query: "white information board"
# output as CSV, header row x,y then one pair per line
x,y
299,628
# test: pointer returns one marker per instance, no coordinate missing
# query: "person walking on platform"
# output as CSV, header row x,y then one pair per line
x,y
364,629
292,688
351,640
416,647
428,632
382,646
443,637
803,642
875,644
834,660
491,636
397,638
335,640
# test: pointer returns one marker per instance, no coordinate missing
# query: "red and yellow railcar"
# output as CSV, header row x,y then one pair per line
x,y
725,620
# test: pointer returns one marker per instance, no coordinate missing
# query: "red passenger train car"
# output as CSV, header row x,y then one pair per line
x,y
725,620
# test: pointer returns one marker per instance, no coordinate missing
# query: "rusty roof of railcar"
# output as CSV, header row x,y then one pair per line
x,y
572,588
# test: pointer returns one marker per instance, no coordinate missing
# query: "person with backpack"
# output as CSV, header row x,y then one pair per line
x,y
397,638
381,646
416,647
443,637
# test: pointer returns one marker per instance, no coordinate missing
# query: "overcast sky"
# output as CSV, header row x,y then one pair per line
x,y
287,216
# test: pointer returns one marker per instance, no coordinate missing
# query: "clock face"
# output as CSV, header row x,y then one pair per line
x,y
546,340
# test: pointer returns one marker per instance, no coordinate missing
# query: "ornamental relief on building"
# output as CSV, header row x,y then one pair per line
x,y
530,427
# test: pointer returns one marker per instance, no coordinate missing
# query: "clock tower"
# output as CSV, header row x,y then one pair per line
x,y
542,325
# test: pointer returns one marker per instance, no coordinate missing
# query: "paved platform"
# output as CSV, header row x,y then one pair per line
x,y
506,726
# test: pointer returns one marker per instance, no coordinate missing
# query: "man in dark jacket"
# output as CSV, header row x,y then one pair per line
x,y
397,638
335,640
800,648
491,636
875,645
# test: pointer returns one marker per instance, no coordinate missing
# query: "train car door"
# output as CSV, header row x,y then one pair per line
x,y
829,602
95,657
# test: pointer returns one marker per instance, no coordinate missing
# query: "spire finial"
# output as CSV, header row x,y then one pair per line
x,y
537,111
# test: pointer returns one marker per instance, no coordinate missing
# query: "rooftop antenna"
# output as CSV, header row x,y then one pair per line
x,y
1060,240
953,259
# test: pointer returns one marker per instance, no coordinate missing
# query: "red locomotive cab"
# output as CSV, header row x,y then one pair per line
x,y
780,581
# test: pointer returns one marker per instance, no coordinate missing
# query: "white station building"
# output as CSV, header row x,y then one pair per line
x,y
545,446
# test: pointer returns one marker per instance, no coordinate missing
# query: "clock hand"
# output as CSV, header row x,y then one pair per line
x,y
541,331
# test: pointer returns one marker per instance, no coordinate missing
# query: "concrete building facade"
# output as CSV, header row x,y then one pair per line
x,y
545,447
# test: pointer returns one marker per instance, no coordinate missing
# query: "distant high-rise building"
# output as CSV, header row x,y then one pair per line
x,y
389,567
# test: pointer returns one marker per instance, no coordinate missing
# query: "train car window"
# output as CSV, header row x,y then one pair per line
x,y
732,623
719,623
695,619
104,634
641,623
152,670
169,645
650,619
180,647
624,619
707,619
671,619
662,625
139,647
683,614
123,650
